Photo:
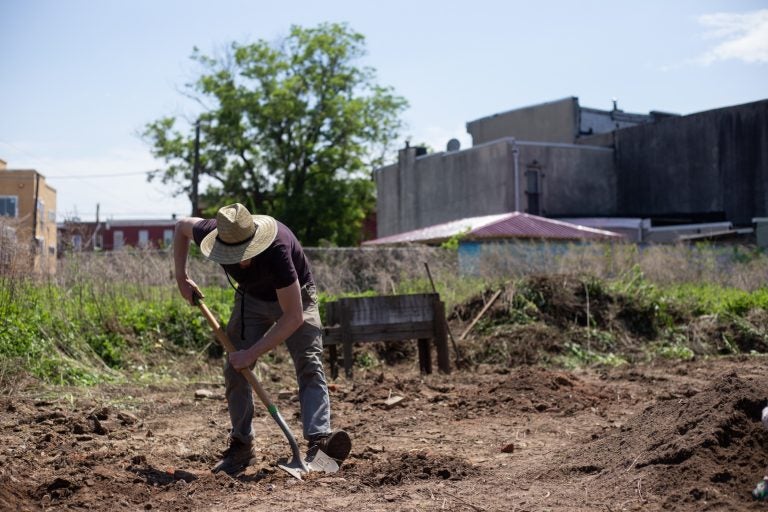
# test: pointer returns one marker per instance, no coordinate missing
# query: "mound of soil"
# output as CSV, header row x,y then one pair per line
x,y
532,390
413,466
709,448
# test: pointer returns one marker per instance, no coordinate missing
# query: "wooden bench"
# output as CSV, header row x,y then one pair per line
x,y
387,318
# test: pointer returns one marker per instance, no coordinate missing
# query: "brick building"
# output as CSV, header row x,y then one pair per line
x,y
27,220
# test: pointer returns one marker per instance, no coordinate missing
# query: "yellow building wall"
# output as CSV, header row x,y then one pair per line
x,y
36,215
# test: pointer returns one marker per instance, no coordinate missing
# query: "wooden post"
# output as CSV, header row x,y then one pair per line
x,y
425,356
333,355
441,338
346,338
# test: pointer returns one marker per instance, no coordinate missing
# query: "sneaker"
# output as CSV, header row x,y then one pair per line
x,y
236,458
336,445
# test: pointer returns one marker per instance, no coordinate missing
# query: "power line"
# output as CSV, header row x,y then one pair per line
x,y
79,176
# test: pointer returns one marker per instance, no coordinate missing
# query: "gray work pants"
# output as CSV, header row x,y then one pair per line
x,y
306,349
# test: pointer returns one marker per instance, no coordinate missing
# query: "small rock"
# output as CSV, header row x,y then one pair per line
x,y
127,418
186,476
203,393
509,448
393,401
100,427
375,448
331,480
284,394
101,413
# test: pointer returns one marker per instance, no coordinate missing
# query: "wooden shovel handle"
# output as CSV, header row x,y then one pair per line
x,y
229,347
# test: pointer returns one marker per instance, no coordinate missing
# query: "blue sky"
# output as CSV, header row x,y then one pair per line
x,y
80,78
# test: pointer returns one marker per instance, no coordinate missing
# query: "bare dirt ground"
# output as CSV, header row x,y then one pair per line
x,y
672,436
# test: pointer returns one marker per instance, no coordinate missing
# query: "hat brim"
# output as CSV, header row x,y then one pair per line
x,y
266,231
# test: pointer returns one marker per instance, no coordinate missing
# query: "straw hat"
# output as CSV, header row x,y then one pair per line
x,y
238,235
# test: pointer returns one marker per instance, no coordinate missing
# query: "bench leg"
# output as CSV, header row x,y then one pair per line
x,y
425,356
441,338
348,358
334,357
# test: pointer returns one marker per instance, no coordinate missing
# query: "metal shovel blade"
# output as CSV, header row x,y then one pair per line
x,y
322,462
293,468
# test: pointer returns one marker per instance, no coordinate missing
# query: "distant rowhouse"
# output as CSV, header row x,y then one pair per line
x,y
27,221
115,235
561,160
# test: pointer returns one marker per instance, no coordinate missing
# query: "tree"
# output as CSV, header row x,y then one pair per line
x,y
290,129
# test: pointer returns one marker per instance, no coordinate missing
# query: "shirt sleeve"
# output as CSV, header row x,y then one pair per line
x,y
283,270
201,229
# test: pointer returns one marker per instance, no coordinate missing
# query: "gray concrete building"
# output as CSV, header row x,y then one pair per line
x,y
559,159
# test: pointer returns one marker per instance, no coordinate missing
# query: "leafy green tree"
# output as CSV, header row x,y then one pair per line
x,y
290,129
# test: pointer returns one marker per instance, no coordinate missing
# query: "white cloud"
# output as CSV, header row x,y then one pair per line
x,y
741,36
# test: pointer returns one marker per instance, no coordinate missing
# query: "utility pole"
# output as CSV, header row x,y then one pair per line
x,y
96,228
196,170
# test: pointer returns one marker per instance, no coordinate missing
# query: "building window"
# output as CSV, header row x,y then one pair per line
x,y
143,237
532,191
118,241
77,242
167,238
9,206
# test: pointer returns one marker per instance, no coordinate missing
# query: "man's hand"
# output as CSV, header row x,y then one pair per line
x,y
243,358
188,289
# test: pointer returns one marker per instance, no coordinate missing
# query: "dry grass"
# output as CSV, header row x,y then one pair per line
x,y
339,271
15,256
740,267
381,270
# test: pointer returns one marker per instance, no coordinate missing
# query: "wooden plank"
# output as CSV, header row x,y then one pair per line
x,y
382,332
388,309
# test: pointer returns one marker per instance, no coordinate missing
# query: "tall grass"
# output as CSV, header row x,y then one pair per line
x,y
86,322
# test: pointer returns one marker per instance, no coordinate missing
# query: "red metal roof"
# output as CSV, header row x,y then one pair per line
x,y
500,226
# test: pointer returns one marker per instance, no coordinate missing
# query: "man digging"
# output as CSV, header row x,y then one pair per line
x,y
275,302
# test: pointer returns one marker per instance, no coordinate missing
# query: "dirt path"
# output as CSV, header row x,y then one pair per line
x,y
682,436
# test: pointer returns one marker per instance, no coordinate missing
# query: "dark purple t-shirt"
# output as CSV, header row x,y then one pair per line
x,y
277,267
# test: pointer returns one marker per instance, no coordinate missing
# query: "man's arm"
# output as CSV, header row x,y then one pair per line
x,y
182,237
291,319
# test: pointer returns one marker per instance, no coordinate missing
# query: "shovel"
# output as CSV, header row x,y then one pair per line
x,y
296,466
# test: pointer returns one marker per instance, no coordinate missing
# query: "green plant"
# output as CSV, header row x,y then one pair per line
x,y
677,351
366,359
452,244
577,356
